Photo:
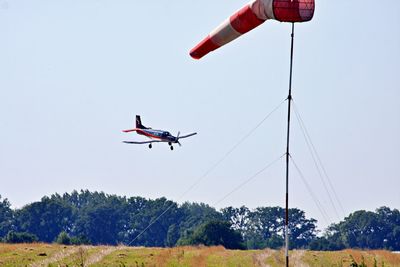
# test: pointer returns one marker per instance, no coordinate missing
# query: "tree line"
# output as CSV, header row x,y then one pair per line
x,y
97,218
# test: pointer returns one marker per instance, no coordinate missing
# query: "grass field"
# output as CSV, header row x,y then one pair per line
x,y
51,255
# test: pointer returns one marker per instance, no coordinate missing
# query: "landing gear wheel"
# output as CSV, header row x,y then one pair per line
x,y
172,148
169,143
150,146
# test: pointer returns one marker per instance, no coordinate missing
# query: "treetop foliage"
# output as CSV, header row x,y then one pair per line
x,y
86,217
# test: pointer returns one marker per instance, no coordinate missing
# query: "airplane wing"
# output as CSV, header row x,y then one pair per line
x,y
188,135
140,143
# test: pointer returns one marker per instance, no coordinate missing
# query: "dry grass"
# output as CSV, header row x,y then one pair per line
x,y
58,255
261,258
63,253
345,258
99,255
180,256
28,254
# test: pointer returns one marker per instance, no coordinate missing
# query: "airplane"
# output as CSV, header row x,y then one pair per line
x,y
156,135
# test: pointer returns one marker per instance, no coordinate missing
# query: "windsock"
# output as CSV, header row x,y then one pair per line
x,y
251,16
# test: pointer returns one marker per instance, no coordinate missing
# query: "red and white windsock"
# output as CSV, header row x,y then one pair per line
x,y
249,17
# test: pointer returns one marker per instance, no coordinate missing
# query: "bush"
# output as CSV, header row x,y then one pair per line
x,y
80,240
63,238
20,237
214,233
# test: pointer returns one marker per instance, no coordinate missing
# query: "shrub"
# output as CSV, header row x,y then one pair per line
x,y
20,237
79,240
63,238
213,234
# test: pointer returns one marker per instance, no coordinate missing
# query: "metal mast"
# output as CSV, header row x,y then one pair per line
x,y
289,98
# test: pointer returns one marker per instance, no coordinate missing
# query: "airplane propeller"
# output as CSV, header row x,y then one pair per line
x,y
177,138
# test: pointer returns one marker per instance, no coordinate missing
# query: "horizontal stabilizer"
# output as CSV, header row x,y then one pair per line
x,y
131,130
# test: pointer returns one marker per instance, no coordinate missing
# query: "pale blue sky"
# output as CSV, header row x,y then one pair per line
x,y
74,73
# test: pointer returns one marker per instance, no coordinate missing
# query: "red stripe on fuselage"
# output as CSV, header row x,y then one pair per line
x,y
149,135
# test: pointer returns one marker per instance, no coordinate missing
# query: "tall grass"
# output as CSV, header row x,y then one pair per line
x,y
58,255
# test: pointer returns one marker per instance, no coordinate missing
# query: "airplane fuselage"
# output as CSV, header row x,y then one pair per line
x,y
157,135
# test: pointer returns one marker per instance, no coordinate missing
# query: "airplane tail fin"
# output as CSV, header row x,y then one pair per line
x,y
139,124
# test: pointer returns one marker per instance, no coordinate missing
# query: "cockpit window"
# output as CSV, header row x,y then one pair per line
x,y
166,133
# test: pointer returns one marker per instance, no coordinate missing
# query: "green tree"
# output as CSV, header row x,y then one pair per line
x,y
266,227
6,217
301,230
367,230
172,235
238,217
389,221
259,228
45,219
214,233
196,214
267,221
20,237
101,221
151,224
63,238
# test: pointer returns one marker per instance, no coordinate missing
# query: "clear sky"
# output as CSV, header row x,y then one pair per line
x,y
73,74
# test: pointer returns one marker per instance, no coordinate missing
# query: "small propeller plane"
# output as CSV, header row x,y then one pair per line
x,y
155,135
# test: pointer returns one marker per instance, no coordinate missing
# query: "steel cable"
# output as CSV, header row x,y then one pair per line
x,y
248,180
319,166
314,197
